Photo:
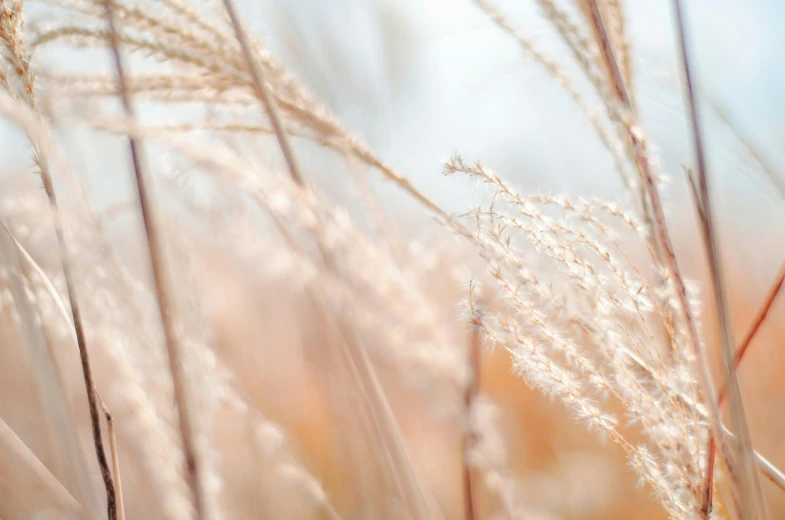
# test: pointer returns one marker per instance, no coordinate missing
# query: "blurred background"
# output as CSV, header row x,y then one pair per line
x,y
423,79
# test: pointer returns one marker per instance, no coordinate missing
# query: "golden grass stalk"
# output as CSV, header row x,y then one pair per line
x,y
757,321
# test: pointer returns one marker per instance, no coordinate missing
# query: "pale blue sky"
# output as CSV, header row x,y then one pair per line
x,y
422,79
461,85
458,83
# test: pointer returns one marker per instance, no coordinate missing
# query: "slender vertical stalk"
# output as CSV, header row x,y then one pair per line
x,y
257,75
751,497
11,20
118,486
638,152
28,259
472,389
638,144
162,293
84,358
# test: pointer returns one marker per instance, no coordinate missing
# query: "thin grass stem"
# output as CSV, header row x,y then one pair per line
x,y
161,290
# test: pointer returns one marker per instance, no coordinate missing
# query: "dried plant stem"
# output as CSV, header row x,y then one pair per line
x,y
10,35
606,51
57,413
615,7
764,309
118,486
60,305
669,256
774,474
639,153
84,356
257,75
472,389
50,288
162,293
751,493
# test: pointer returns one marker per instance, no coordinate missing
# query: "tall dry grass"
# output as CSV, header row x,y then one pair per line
x,y
235,343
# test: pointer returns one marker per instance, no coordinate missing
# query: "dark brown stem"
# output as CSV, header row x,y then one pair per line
x,y
118,486
25,267
27,76
165,300
708,488
81,343
106,474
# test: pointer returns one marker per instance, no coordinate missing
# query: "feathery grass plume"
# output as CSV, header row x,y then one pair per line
x,y
240,172
592,57
624,115
206,51
609,307
365,373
